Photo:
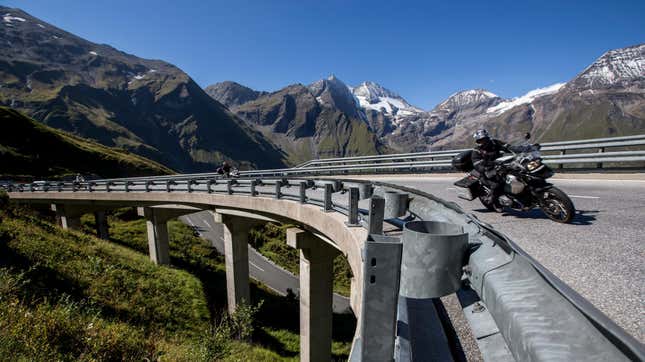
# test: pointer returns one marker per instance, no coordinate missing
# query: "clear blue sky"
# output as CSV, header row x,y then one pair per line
x,y
423,50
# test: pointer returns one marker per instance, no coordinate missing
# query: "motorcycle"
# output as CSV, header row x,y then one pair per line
x,y
525,186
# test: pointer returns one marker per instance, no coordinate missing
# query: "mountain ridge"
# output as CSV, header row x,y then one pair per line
x,y
149,107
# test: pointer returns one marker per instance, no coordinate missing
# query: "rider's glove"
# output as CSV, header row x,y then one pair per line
x,y
491,173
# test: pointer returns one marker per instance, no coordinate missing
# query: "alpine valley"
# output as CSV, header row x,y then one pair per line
x,y
605,99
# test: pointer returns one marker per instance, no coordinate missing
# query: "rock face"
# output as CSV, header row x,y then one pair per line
x,y
606,99
148,107
321,120
232,94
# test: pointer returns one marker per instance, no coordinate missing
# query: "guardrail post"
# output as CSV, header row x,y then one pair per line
x,y
168,183
127,185
189,185
303,192
381,272
352,216
278,191
327,204
60,186
562,153
396,204
376,212
107,186
229,187
148,183
90,186
209,183
600,150
31,187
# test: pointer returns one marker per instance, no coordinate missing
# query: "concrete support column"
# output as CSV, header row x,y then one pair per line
x,y
102,227
236,255
157,227
316,293
68,217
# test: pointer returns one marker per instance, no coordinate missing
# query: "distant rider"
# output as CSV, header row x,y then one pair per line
x,y
225,169
483,156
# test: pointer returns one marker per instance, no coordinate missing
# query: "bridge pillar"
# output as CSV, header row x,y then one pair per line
x,y
102,227
68,217
157,226
236,257
316,293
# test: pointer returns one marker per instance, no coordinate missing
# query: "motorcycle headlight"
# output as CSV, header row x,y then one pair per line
x,y
532,165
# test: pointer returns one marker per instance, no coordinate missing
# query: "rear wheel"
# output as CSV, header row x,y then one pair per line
x,y
557,205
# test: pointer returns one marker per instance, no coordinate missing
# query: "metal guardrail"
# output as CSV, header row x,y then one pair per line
x,y
441,160
515,288
600,144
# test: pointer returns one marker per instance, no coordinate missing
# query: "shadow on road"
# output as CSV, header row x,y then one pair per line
x,y
582,217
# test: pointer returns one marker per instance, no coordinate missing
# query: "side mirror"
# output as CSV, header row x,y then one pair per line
x,y
527,136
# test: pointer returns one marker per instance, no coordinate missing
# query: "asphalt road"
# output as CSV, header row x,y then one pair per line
x,y
601,254
260,268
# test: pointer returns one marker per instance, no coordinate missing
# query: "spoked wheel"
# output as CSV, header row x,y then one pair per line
x,y
557,205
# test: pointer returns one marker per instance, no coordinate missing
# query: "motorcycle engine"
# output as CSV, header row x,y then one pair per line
x,y
513,185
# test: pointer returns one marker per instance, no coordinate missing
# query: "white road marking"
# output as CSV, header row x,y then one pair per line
x,y
584,197
209,225
260,269
190,222
450,188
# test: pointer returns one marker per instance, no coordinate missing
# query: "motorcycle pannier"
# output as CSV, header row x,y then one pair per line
x,y
463,161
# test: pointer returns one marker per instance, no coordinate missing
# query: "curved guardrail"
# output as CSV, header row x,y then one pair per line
x,y
441,160
537,315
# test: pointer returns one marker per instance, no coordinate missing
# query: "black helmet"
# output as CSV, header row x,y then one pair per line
x,y
481,135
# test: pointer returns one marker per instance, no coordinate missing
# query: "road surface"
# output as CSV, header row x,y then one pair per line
x,y
601,254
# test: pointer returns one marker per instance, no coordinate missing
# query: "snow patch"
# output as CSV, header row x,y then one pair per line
x,y
525,99
41,26
94,53
7,18
139,76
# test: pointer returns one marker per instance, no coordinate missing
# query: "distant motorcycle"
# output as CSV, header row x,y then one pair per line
x,y
525,185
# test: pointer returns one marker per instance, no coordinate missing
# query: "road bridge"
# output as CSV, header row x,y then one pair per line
x,y
515,307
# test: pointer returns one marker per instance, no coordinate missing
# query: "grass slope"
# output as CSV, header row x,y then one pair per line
x,y
29,148
70,296
271,241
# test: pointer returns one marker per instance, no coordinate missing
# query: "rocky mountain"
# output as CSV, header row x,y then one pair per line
x,y
149,107
606,99
232,94
320,120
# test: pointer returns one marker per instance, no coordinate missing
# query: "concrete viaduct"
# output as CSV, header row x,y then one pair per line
x,y
320,237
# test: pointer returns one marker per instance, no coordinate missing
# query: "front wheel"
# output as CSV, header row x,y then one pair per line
x,y
557,205
485,200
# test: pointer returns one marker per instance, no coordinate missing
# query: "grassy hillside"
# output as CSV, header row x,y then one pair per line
x,y
70,296
29,148
271,241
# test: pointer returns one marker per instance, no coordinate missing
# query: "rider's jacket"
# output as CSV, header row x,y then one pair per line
x,y
484,155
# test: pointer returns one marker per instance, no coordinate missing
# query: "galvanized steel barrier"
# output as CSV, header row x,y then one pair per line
x,y
516,308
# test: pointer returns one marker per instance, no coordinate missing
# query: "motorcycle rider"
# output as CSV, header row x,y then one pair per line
x,y
484,154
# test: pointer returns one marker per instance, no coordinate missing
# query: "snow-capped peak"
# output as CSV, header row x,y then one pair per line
x,y
371,95
613,67
525,99
467,98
